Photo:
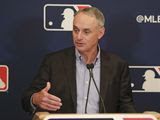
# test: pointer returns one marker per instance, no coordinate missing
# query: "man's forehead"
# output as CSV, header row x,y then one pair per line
x,y
83,28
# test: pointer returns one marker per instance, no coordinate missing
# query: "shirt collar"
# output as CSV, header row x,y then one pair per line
x,y
80,58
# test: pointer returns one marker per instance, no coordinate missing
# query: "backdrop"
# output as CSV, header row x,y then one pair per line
x,y
29,29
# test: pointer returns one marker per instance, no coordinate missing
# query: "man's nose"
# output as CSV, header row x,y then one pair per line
x,y
79,36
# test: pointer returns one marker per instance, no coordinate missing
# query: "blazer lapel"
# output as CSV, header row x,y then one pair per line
x,y
104,78
70,67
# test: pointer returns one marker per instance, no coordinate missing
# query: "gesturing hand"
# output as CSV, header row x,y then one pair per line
x,y
45,100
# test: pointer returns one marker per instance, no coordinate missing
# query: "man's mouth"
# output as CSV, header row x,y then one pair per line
x,y
79,44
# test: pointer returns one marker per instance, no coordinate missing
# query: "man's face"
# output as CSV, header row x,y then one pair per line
x,y
86,32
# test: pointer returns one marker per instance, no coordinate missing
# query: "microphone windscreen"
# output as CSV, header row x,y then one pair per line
x,y
90,66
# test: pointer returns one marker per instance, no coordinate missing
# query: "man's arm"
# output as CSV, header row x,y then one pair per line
x,y
37,94
126,99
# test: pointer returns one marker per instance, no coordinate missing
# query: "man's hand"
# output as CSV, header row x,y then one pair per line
x,y
45,100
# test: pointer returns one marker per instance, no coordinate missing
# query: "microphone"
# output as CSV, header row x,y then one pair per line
x,y
90,68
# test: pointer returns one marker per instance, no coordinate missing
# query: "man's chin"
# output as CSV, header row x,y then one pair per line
x,y
80,49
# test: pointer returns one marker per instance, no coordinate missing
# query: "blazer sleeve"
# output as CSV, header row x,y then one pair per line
x,y
126,99
37,84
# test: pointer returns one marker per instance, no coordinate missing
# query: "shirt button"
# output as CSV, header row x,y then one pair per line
x,y
85,98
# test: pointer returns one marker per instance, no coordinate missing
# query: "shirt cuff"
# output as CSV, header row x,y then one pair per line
x,y
33,106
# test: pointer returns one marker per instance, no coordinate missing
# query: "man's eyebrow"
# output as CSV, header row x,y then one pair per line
x,y
75,26
87,29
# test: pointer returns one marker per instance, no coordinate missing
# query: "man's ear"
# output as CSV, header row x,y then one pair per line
x,y
101,32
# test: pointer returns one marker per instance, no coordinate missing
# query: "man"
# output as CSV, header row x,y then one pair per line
x,y
61,85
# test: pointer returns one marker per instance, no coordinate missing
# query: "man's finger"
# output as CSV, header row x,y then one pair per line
x,y
47,88
55,103
47,106
54,98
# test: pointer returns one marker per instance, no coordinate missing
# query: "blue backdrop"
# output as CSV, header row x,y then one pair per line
x,y
132,31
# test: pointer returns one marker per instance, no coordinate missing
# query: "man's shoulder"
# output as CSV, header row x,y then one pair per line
x,y
62,52
112,57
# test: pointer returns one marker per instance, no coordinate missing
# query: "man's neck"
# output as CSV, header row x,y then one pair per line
x,y
90,56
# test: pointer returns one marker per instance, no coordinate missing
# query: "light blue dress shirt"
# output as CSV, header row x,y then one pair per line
x,y
82,81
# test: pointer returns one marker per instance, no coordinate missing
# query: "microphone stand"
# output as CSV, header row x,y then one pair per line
x,y
101,99
88,91
90,68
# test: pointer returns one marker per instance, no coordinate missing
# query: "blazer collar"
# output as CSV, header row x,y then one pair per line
x,y
104,77
70,68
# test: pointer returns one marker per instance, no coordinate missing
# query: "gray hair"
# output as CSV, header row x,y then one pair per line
x,y
93,12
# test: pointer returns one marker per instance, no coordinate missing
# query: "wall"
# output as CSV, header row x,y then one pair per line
x,y
132,31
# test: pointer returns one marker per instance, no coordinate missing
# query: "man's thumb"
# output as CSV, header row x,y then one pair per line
x,y
48,87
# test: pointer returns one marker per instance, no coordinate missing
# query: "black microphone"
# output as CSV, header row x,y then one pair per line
x,y
90,68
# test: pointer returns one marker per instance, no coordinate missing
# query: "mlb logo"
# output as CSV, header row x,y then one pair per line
x,y
59,17
3,78
145,78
